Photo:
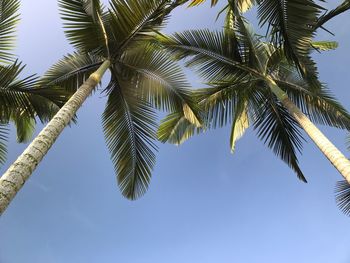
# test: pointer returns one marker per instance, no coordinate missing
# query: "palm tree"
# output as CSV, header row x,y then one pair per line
x,y
142,80
21,101
259,84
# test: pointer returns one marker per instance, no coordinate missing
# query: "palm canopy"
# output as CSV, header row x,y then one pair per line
x,y
238,64
291,24
143,79
21,100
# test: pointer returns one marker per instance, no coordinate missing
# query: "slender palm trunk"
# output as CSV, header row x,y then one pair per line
x,y
19,172
340,162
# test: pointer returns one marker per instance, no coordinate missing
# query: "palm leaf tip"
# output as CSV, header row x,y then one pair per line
x,y
342,196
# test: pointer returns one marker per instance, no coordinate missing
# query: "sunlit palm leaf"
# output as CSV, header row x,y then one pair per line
x,y
83,29
129,22
129,127
176,129
8,21
240,124
325,45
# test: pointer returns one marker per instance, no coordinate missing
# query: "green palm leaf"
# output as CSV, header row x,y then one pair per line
x,y
21,97
343,7
129,127
208,52
325,45
161,81
278,129
8,20
290,24
83,28
176,129
129,22
71,71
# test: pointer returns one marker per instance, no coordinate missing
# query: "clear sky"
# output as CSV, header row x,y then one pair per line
x,y
204,204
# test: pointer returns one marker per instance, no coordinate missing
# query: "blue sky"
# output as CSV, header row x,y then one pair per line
x,y
204,204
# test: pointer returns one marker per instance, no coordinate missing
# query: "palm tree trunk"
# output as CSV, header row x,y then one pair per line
x,y
19,172
339,161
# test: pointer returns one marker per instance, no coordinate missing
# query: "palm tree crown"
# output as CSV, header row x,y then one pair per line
x,y
142,80
239,66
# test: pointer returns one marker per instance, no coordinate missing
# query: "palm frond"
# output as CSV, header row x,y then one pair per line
x,y
343,7
324,45
9,18
290,24
241,122
22,97
161,81
342,196
71,71
129,22
25,127
129,127
82,28
276,127
207,52
176,129
219,102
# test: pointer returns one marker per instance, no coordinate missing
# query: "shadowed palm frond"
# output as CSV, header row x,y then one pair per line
x,y
208,52
129,126
342,196
290,24
22,98
161,81
71,71
276,127
343,7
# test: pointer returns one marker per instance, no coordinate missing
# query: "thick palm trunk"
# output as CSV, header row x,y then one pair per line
x,y
340,162
19,172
